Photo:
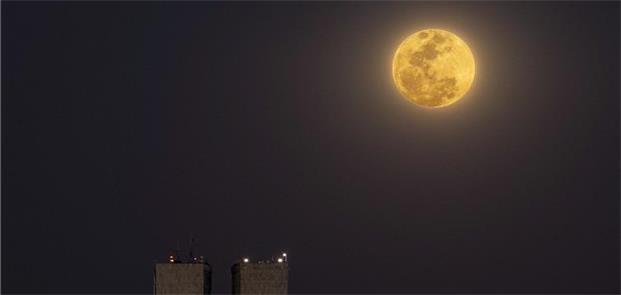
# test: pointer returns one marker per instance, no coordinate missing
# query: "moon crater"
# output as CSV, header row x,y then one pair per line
x,y
433,68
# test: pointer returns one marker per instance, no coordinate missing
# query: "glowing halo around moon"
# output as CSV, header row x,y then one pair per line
x,y
433,68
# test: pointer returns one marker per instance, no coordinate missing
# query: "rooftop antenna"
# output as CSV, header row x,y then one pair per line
x,y
191,250
177,251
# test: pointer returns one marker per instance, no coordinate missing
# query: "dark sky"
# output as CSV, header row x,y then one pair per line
x,y
267,126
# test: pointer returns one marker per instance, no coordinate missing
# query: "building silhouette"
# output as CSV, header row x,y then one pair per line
x,y
177,277
194,276
262,277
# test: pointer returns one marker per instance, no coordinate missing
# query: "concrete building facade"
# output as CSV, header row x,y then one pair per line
x,y
182,278
266,277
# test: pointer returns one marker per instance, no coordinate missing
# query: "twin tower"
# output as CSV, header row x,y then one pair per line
x,y
194,277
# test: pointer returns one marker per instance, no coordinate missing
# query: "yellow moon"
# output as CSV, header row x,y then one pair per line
x,y
433,68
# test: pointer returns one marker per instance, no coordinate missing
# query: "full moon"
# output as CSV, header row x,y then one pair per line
x,y
433,68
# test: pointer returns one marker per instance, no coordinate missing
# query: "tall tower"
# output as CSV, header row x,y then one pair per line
x,y
177,277
262,277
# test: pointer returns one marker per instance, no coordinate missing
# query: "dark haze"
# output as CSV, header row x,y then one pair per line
x,y
262,127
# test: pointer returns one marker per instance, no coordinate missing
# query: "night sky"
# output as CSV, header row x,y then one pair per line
x,y
262,127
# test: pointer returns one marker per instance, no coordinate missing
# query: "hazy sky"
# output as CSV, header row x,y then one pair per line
x,y
267,126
